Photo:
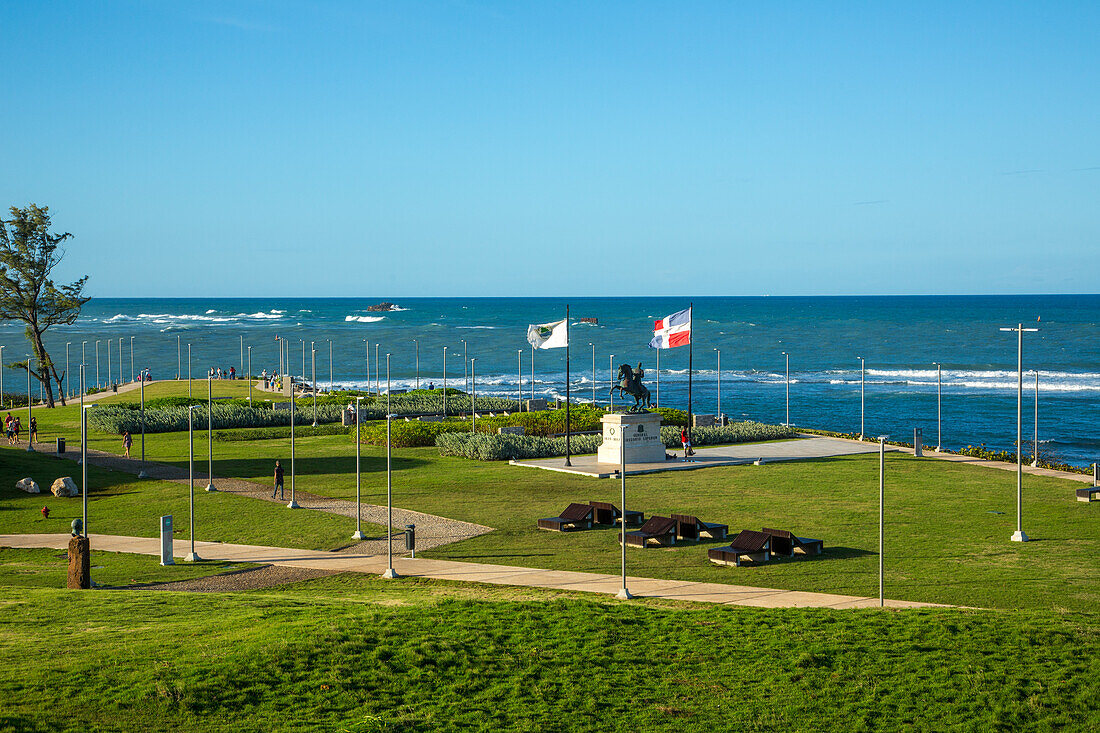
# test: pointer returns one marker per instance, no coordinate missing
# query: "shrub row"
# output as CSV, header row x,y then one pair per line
x,y
736,432
411,434
114,419
237,435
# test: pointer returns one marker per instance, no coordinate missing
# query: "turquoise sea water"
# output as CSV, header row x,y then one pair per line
x,y
899,337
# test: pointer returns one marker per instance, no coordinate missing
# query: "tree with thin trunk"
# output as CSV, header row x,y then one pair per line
x,y
28,254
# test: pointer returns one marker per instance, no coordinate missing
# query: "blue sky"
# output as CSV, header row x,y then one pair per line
x,y
472,148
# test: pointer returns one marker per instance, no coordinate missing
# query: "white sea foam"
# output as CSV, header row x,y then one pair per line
x,y
167,318
363,319
469,327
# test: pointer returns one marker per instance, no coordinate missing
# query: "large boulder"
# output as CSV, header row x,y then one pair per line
x,y
65,487
28,485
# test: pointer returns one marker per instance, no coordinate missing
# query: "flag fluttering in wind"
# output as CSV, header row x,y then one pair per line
x,y
672,331
548,335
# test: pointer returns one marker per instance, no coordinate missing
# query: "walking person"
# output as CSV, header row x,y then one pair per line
x,y
15,430
127,441
686,441
278,481
8,422
33,433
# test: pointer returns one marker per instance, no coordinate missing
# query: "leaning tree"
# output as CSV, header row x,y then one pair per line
x,y
28,254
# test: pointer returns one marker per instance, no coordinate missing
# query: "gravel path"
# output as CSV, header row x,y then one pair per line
x,y
431,530
267,576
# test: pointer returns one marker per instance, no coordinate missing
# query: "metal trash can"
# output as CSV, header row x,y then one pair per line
x,y
60,445
410,538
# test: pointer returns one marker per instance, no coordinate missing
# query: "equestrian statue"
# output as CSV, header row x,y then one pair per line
x,y
630,382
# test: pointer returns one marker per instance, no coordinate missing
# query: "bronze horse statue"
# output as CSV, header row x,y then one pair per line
x,y
630,382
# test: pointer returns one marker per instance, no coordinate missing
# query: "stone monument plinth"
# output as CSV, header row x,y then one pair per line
x,y
642,431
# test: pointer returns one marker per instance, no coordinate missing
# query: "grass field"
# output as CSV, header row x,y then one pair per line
x,y
947,533
355,653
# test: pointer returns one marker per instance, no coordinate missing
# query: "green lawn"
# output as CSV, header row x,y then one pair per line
x,y
947,533
38,568
355,653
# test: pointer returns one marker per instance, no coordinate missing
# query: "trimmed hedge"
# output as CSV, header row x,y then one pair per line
x,y
411,434
112,419
545,422
238,435
486,447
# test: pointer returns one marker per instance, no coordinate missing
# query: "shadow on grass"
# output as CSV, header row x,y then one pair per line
x,y
261,468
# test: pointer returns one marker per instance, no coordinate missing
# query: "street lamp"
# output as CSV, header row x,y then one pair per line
x,y
1018,535
179,357
249,376
1035,450
611,375
519,377
377,384
30,407
67,391
97,364
108,362
83,456
293,504
444,382
719,416
787,358
131,360
193,556
465,366
593,347
623,593
417,343
313,354
881,514
939,405
358,534
862,388
330,379
303,357
368,364
2,376
210,433
188,370
242,352
390,572
473,399
141,473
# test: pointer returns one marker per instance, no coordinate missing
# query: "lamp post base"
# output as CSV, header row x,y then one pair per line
x,y
210,487
390,574
623,595
1019,536
192,557
292,505
142,474
358,535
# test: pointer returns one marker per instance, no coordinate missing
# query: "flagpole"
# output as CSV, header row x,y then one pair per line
x,y
568,462
691,341
658,395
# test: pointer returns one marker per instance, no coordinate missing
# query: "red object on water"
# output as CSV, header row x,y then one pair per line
x,y
46,512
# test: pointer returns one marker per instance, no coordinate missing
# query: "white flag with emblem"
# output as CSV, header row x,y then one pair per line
x,y
548,335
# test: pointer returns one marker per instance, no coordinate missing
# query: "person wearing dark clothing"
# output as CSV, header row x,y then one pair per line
x,y
278,481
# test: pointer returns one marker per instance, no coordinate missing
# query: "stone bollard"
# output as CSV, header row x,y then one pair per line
x,y
80,566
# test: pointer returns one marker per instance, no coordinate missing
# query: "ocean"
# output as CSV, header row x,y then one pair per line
x,y
900,339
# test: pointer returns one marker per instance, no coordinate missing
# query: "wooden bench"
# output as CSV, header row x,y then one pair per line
x,y
573,517
786,543
692,528
1089,493
661,530
605,513
749,543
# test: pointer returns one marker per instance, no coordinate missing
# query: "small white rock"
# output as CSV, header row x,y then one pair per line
x,y
65,487
28,485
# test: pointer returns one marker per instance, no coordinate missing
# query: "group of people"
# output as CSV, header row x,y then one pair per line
x,y
219,373
13,426
271,381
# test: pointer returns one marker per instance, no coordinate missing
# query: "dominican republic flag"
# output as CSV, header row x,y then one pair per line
x,y
672,331
548,335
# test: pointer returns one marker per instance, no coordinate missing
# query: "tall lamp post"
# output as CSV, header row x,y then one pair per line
x,y
862,392
330,379
611,376
1019,535
390,572
623,593
179,357
242,352
444,383
293,503
67,392
249,376
131,360
416,343
719,416
210,433
593,347
1035,448
787,379
465,367
109,362
2,376
83,456
188,370
519,377
473,399
192,556
141,473
939,406
358,534
881,515
313,353
97,364
30,407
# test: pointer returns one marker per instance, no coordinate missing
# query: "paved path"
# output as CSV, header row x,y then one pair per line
x,y
676,590
724,455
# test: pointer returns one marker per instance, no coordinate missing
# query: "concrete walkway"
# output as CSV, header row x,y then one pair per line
x,y
724,455
674,590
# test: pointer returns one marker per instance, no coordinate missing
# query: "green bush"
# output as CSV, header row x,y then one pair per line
x,y
546,422
114,419
737,432
485,447
411,434
672,416
300,431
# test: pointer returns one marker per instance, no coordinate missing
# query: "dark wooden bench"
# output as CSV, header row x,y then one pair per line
x,y
692,528
661,530
748,543
1089,493
786,543
574,516
605,513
